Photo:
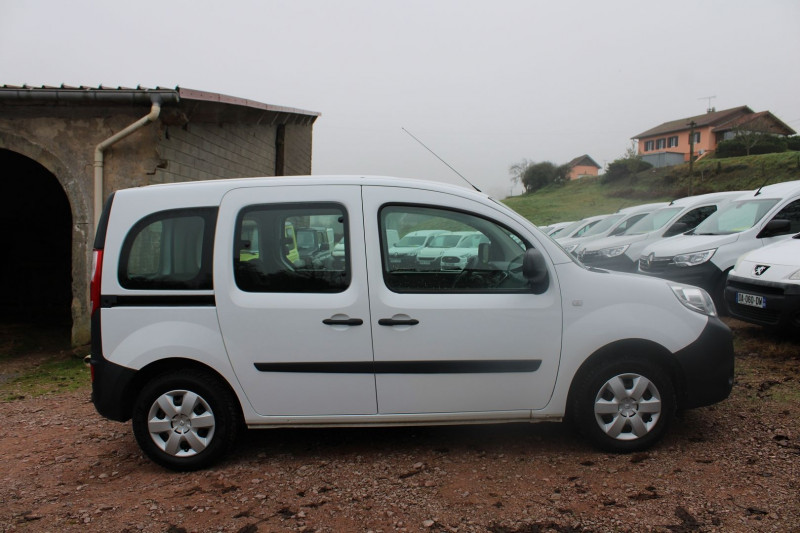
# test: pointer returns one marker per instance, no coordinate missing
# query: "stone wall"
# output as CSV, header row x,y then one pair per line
x,y
195,141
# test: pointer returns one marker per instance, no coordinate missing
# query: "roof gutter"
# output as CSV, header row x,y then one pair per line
x,y
155,111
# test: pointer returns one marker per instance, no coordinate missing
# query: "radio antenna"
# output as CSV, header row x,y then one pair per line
x,y
440,159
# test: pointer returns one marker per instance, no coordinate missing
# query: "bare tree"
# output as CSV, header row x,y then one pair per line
x,y
752,132
517,171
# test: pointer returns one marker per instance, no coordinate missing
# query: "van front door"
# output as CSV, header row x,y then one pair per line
x,y
464,335
296,326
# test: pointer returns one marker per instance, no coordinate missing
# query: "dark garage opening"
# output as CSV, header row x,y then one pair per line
x,y
36,269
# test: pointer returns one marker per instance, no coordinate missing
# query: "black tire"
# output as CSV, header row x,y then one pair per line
x,y
182,436
623,406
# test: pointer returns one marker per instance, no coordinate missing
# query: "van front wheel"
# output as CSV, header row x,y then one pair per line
x,y
185,421
624,406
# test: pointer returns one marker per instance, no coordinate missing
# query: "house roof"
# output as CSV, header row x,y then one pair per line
x,y
139,94
584,160
714,118
773,123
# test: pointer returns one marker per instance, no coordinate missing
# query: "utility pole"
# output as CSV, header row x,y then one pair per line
x,y
691,125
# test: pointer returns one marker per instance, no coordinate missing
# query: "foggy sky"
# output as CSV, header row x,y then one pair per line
x,y
482,84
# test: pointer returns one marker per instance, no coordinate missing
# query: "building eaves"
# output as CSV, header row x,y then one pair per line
x,y
583,160
713,118
134,95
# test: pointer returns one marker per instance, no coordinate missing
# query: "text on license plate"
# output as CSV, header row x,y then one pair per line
x,y
751,299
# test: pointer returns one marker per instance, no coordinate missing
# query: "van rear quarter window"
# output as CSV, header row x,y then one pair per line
x,y
169,250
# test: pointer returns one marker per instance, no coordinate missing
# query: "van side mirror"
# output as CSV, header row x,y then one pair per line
x,y
534,269
776,226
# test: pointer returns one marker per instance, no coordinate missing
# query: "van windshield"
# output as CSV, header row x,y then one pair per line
x,y
444,241
654,220
411,240
735,217
603,225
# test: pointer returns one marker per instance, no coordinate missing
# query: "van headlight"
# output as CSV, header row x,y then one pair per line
x,y
695,299
613,252
693,258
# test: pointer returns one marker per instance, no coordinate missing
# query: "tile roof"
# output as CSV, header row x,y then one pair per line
x,y
714,118
583,160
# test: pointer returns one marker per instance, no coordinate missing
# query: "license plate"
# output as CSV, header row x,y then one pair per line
x,y
751,299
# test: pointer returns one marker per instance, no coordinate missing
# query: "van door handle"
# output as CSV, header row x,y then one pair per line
x,y
343,322
394,322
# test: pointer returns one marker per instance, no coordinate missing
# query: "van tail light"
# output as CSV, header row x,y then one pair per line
x,y
97,274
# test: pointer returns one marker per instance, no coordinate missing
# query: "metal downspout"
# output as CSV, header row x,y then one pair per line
x,y
155,111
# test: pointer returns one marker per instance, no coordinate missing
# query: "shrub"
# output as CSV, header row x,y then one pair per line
x,y
737,147
622,168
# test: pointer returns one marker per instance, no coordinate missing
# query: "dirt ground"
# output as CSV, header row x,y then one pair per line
x,y
730,467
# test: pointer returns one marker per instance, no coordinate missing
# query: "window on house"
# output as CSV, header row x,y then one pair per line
x,y
661,144
672,142
648,146
696,137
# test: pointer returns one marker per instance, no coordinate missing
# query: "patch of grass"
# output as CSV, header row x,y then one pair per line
x,y
62,373
589,196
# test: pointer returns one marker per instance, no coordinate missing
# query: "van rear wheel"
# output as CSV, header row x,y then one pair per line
x,y
623,406
185,420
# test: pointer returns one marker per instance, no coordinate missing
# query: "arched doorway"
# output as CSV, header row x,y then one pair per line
x,y
36,221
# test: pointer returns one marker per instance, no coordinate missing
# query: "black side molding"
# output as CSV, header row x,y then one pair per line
x,y
406,367
179,300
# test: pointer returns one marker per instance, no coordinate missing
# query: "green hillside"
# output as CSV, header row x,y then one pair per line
x,y
589,196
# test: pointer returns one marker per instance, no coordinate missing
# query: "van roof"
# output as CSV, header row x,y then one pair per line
x,y
643,207
710,198
210,192
778,190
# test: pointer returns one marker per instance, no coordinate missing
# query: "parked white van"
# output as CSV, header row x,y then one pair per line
x,y
621,252
615,224
705,255
193,340
764,286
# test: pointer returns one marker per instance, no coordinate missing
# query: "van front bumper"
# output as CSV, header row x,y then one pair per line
x,y
707,366
781,302
620,263
706,275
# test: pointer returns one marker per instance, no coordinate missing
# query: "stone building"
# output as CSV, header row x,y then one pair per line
x,y
63,150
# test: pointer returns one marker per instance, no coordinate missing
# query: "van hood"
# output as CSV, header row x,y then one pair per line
x,y
617,240
683,244
785,252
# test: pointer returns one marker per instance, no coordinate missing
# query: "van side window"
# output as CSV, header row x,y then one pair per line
x,y
169,250
690,220
428,249
791,213
292,248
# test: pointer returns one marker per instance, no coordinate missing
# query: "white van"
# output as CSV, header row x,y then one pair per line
x,y
579,228
764,286
615,224
193,340
704,256
621,252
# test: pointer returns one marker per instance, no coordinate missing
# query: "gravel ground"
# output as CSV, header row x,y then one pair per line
x,y
730,467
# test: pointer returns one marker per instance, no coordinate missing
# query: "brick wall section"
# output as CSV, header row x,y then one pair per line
x,y
298,150
209,151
